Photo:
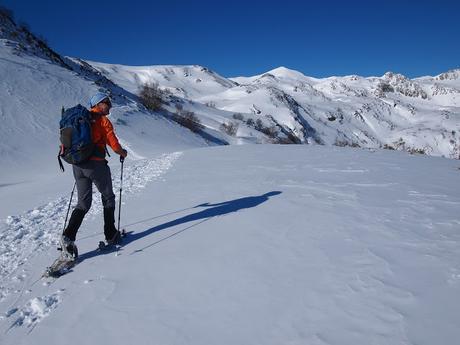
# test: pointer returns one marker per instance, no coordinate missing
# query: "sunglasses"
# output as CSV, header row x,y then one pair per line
x,y
106,101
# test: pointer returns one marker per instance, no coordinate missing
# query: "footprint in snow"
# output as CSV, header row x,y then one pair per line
x,y
35,310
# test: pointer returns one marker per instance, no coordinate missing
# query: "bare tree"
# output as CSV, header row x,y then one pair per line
x,y
231,128
189,120
151,96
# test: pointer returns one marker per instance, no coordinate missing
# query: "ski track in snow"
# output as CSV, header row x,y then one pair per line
x,y
36,230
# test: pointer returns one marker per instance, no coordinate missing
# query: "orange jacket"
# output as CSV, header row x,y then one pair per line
x,y
102,135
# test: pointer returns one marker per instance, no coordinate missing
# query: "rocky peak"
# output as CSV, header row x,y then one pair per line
x,y
453,74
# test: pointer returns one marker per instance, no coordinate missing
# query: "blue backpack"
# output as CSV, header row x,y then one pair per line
x,y
76,142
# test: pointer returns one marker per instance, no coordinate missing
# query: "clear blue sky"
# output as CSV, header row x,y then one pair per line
x,y
319,38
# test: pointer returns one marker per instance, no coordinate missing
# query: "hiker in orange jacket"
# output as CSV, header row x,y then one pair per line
x,y
102,131
95,170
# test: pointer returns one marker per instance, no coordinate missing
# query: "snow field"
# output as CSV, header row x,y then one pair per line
x,y
265,244
24,236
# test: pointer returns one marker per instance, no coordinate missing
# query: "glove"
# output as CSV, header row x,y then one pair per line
x,y
123,153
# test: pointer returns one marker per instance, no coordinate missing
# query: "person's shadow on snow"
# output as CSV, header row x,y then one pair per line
x,y
213,210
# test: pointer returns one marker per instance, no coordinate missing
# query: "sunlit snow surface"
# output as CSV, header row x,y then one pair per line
x,y
255,244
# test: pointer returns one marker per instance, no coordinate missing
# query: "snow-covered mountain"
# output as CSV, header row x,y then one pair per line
x,y
284,106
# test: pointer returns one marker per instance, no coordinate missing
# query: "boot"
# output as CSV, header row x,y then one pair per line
x,y
112,235
69,249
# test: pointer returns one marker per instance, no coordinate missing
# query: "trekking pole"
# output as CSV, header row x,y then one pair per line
x,y
70,202
122,160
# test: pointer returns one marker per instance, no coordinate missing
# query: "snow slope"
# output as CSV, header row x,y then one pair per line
x,y
256,244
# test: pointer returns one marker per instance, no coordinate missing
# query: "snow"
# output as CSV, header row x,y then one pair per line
x,y
35,310
260,244
30,232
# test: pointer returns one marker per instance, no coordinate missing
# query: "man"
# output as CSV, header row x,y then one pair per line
x,y
95,170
